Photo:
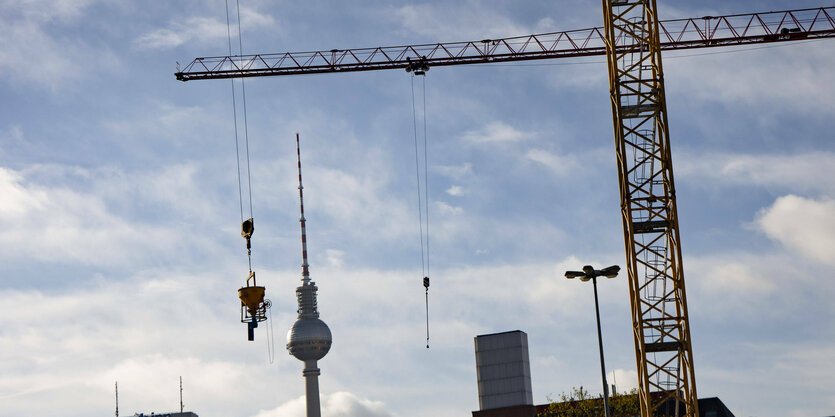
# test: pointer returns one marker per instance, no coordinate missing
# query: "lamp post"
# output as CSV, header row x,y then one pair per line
x,y
589,273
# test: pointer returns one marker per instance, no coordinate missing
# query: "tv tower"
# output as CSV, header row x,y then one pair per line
x,y
310,338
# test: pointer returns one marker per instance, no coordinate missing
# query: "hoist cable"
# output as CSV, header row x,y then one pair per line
x,y
417,176
246,127
423,206
235,118
427,317
426,186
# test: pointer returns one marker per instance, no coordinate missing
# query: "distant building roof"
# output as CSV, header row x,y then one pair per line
x,y
708,407
183,414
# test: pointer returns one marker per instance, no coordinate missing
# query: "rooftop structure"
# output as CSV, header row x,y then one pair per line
x,y
503,370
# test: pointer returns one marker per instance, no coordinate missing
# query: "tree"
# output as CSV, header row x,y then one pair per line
x,y
579,403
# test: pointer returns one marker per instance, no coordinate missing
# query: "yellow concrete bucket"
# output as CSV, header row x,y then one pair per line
x,y
251,297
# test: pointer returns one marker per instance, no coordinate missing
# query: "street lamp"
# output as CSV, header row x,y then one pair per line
x,y
589,273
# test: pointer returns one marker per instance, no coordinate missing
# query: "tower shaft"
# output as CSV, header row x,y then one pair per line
x,y
311,380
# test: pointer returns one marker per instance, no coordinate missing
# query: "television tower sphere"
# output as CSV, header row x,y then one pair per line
x,y
309,338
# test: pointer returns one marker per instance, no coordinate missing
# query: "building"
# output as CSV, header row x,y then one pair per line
x,y
504,380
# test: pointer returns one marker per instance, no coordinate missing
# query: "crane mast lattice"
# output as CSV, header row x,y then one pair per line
x,y
632,39
661,327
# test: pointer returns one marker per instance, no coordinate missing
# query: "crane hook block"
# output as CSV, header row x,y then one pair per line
x,y
247,228
426,282
419,67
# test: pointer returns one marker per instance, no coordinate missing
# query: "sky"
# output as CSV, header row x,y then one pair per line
x,y
120,247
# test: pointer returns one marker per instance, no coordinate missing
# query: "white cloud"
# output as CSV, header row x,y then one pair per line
x,y
359,200
495,132
459,22
804,225
456,172
203,29
27,43
455,190
739,79
334,258
30,51
447,209
338,404
44,220
143,333
199,29
624,380
559,164
739,275
802,172
49,10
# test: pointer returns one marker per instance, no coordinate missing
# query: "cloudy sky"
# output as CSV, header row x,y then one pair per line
x,y
120,253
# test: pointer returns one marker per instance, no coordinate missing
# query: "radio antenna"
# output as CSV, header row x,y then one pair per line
x,y
181,394
305,269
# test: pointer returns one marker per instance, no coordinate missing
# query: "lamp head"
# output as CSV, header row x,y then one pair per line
x,y
573,274
610,272
589,270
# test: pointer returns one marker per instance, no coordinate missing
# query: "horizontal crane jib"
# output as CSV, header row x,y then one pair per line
x,y
701,32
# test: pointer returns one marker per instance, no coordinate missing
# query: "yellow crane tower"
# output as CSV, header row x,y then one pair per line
x,y
660,323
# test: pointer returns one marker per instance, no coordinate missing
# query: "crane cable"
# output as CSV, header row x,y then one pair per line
x,y
246,125
423,202
246,133
235,121
270,332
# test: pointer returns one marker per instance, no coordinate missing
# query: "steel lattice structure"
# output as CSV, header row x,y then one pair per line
x,y
633,40
701,32
661,327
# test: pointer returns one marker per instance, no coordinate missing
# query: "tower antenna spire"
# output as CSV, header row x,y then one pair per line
x,y
181,394
310,339
305,266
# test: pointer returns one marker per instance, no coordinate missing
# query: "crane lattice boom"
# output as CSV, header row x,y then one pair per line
x,y
701,32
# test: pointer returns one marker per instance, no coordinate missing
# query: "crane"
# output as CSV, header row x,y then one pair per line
x,y
676,34
633,40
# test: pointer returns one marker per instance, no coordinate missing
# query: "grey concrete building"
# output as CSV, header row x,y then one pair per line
x,y
503,371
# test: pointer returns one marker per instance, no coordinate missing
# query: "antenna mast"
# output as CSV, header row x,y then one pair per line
x,y
117,398
181,394
305,270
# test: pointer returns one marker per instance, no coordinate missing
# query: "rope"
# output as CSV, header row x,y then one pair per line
x,y
235,118
426,203
417,176
426,182
246,127
271,339
427,317
423,206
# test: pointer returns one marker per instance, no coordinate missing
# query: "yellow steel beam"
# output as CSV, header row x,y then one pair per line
x,y
661,329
